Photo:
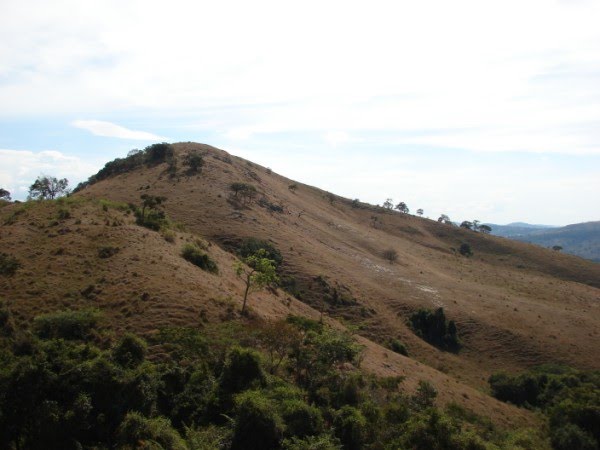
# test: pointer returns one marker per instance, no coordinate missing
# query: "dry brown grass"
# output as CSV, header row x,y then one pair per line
x,y
516,305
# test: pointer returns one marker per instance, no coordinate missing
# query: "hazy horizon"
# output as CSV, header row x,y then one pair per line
x,y
477,111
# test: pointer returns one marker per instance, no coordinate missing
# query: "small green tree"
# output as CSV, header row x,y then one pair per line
x,y
48,188
257,271
485,229
388,204
420,212
4,195
194,162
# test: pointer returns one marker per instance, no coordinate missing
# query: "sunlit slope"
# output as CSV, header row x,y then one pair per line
x,y
516,304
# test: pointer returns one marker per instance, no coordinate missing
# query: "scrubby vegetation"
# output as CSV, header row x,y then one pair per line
x,y
8,264
196,256
569,397
250,246
151,156
433,327
72,386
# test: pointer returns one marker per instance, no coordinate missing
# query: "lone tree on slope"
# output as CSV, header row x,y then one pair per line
x,y
4,195
48,188
257,271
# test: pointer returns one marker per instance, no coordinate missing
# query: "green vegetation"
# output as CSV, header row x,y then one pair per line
x,y
48,188
570,398
398,347
433,327
149,215
196,256
246,192
257,271
67,386
194,163
151,156
465,249
8,264
251,245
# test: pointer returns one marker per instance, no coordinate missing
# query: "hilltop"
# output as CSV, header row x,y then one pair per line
x,y
515,305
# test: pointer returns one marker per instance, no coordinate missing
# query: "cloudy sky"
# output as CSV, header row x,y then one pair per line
x,y
476,109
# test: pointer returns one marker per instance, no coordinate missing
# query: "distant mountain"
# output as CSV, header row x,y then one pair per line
x,y
580,239
517,229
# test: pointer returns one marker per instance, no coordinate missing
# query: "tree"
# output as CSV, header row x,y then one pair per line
x,y
257,271
557,248
476,225
466,224
4,195
444,219
420,212
388,204
485,229
48,188
402,207
150,202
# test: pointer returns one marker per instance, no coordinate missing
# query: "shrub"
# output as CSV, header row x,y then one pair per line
x,y
197,257
257,426
158,153
465,249
301,419
194,162
8,264
570,437
350,427
398,347
130,351
433,328
320,442
107,251
251,246
67,324
242,371
137,431
391,255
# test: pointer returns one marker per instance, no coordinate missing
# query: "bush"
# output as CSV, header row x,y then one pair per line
x,y
398,347
8,264
257,427
391,255
570,437
301,419
107,251
67,324
465,249
139,432
130,351
321,442
350,427
251,245
194,162
197,257
158,153
242,371
433,328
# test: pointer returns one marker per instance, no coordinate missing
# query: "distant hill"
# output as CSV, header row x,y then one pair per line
x,y
580,239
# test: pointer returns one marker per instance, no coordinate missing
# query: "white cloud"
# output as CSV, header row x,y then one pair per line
x,y
20,168
108,129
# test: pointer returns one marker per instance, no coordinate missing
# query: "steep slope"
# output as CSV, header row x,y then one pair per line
x,y
77,253
515,304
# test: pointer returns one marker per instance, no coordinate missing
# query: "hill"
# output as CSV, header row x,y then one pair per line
x,y
580,239
515,305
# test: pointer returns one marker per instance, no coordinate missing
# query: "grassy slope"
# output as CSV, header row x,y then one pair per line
x,y
516,304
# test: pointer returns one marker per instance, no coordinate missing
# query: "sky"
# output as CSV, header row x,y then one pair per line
x,y
475,109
